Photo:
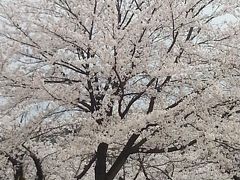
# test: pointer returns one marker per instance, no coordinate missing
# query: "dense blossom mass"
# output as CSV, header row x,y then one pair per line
x,y
119,89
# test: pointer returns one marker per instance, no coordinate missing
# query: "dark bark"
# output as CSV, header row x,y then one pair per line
x,y
163,150
173,42
236,177
135,98
86,167
17,167
189,33
37,162
100,168
151,104
121,159
38,166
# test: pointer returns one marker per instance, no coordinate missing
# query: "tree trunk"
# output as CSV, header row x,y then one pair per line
x,y
100,168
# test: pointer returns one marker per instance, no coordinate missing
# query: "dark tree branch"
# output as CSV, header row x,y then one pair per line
x,y
173,42
175,104
121,159
87,167
128,22
70,66
37,162
17,167
135,98
119,14
198,12
151,104
189,33
62,81
144,170
92,97
164,150
236,177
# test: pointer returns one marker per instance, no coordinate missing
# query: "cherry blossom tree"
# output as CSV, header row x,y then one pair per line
x,y
119,89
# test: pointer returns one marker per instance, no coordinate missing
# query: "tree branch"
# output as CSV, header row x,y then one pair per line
x,y
164,150
87,167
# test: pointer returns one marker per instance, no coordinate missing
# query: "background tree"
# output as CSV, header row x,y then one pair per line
x,y
124,89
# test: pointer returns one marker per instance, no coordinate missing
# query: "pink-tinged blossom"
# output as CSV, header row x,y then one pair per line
x,y
125,89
